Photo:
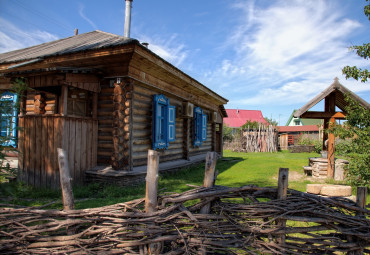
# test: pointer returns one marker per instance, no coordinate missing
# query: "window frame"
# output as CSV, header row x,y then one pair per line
x,y
164,122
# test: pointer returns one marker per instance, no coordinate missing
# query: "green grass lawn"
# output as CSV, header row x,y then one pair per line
x,y
235,169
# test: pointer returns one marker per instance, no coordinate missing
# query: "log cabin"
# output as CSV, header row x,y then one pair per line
x,y
106,100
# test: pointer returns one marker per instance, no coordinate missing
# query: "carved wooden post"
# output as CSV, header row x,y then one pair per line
x,y
282,194
65,180
152,181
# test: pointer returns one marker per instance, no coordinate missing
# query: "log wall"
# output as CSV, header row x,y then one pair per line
x,y
47,104
41,135
206,145
105,128
142,109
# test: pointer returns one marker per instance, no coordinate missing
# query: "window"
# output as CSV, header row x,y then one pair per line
x,y
200,127
8,120
78,102
297,122
164,129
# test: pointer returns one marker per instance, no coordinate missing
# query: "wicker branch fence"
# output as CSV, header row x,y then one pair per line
x,y
243,220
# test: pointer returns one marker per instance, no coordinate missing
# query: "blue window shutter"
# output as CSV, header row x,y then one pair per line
x,y
160,122
204,127
171,123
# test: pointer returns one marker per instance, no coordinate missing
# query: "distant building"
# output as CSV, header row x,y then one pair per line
x,y
237,118
290,135
295,121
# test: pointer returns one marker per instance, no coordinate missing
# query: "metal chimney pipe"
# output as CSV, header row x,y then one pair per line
x,y
126,32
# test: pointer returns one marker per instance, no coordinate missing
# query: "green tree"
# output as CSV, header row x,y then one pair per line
x,y
227,133
271,121
363,51
251,125
357,128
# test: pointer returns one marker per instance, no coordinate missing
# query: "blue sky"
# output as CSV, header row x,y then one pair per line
x,y
272,56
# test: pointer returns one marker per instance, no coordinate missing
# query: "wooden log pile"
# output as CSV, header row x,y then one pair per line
x,y
241,220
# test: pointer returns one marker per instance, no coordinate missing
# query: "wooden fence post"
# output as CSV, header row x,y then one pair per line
x,y
65,180
361,197
360,202
282,194
151,200
152,181
209,176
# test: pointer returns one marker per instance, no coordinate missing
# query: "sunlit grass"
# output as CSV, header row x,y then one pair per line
x,y
235,170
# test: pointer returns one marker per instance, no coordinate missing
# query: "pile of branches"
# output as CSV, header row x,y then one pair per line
x,y
245,220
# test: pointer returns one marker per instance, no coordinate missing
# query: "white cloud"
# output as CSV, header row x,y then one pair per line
x,y
286,52
82,14
13,38
169,49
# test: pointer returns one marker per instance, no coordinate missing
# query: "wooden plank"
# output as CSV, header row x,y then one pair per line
x,y
21,176
72,147
81,78
38,151
94,145
77,159
32,149
84,137
322,115
88,145
26,147
95,105
44,151
49,165
63,101
57,144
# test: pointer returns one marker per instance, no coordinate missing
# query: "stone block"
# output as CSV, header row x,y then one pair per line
x,y
314,188
336,190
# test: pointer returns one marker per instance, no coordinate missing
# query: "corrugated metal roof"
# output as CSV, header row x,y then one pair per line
x,y
237,118
87,41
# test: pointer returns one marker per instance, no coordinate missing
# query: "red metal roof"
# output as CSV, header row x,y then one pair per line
x,y
308,128
237,118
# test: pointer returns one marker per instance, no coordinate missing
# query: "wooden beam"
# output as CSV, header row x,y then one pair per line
x,y
95,105
323,115
63,101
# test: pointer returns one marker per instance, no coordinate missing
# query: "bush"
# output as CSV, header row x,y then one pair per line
x,y
305,140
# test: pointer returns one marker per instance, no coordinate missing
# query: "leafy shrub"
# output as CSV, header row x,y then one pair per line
x,y
305,140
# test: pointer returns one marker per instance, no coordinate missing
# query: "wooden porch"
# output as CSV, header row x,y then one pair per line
x,y
106,174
